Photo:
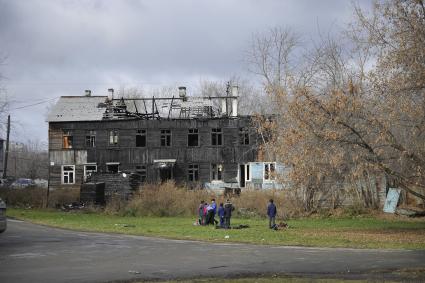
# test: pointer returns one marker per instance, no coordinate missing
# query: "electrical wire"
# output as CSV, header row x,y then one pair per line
x,y
34,104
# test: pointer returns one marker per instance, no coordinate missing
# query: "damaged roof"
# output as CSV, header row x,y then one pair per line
x,y
78,108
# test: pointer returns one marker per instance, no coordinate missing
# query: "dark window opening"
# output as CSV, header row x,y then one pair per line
x,y
193,137
112,168
193,172
216,136
141,138
91,139
243,136
165,137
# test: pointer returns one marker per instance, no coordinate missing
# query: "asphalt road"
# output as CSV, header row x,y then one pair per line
x,y
33,253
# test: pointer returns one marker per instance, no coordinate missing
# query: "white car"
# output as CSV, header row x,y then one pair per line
x,y
3,222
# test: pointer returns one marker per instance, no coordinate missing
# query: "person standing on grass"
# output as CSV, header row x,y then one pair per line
x,y
220,214
271,212
210,215
201,212
228,208
214,207
204,214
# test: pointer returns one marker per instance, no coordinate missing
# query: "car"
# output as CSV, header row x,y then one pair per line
x,y
22,183
3,221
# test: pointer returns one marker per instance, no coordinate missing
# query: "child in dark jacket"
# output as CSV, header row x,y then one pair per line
x,y
220,214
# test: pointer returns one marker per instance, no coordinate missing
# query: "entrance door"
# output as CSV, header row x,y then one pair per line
x,y
166,173
242,175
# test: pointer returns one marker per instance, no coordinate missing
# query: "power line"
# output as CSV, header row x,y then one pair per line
x,y
34,104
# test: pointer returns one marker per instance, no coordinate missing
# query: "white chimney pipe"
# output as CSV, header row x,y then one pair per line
x,y
223,106
235,91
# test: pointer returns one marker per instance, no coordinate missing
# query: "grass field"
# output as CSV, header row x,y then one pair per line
x,y
358,232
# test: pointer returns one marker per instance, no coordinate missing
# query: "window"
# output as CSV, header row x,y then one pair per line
x,y
193,172
142,171
113,137
243,136
247,173
193,138
91,139
269,171
216,136
141,138
68,174
216,172
165,137
112,167
67,139
89,169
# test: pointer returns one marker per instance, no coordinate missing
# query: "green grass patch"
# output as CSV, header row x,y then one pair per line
x,y
358,232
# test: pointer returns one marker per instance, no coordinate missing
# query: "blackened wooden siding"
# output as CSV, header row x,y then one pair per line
x,y
230,154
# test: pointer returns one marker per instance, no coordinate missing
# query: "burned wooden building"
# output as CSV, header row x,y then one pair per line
x,y
200,141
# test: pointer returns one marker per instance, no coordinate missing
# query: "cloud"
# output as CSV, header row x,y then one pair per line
x,y
63,47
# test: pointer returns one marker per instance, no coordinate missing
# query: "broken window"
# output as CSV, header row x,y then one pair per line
x,y
216,136
68,174
141,170
89,169
193,172
141,138
67,139
216,172
112,167
193,137
91,139
269,171
165,137
113,137
243,136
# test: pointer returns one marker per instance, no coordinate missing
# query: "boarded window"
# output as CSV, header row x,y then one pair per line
x,y
243,136
113,137
193,172
141,170
165,137
67,139
216,136
68,174
141,138
193,137
269,171
91,139
216,172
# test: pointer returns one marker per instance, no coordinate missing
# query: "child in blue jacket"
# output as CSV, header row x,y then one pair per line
x,y
220,214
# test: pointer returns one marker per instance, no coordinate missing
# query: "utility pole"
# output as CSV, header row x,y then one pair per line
x,y
6,155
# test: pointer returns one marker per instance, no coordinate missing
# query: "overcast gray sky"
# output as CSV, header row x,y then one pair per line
x,y
56,48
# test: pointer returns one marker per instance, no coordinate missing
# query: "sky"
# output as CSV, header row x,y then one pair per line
x,y
53,47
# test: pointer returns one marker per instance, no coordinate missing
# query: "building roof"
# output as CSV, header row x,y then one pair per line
x,y
77,108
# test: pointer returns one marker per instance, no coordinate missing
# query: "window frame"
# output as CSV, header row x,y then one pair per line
x,y
269,173
195,131
67,174
143,134
166,135
115,137
91,138
216,169
193,172
112,164
91,171
69,137
217,135
244,138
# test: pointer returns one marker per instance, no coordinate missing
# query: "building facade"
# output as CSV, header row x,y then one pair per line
x,y
195,141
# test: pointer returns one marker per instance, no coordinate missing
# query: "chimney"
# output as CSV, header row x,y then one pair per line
x,y
235,101
182,92
88,92
110,93
224,106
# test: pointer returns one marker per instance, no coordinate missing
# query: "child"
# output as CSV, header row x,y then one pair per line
x,y
220,214
201,212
